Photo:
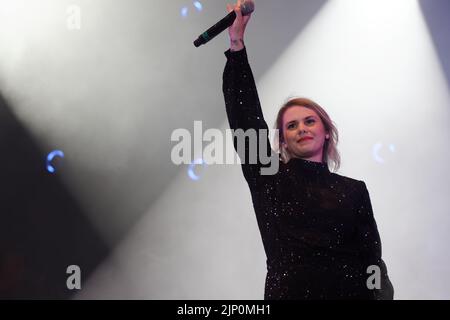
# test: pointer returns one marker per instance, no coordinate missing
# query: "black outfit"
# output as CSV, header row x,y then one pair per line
x,y
317,227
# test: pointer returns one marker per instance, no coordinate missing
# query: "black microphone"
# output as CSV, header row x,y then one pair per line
x,y
246,8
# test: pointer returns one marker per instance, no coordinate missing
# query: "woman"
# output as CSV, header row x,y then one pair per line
x,y
317,227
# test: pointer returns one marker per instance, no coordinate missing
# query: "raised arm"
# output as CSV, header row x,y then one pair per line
x,y
242,102
240,93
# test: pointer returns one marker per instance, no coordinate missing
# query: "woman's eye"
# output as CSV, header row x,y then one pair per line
x,y
291,125
310,121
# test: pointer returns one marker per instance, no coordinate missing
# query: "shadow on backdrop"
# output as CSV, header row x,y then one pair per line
x,y
42,229
275,26
436,14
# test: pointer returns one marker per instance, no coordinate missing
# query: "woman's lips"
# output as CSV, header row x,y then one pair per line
x,y
303,139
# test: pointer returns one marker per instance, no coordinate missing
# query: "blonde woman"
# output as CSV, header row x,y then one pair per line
x,y
318,229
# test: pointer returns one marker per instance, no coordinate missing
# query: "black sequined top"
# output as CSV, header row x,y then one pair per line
x,y
317,227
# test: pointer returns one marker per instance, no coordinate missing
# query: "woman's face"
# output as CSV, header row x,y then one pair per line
x,y
304,133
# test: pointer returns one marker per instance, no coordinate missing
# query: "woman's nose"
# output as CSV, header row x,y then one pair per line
x,y
301,130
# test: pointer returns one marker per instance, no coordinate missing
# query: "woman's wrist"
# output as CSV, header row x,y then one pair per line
x,y
236,44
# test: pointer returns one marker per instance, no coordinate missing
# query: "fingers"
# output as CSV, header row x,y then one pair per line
x,y
238,10
233,7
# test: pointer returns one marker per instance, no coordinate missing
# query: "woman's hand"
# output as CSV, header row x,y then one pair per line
x,y
237,29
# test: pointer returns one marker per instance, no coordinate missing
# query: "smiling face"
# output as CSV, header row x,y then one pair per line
x,y
304,133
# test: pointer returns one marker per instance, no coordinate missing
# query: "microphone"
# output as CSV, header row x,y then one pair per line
x,y
247,7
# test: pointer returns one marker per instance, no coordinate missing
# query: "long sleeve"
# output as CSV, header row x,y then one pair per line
x,y
244,110
370,244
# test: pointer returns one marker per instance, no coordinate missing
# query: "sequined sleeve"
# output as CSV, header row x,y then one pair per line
x,y
243,107
370,244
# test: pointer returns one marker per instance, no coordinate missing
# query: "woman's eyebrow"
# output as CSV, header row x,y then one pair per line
x,y
312,116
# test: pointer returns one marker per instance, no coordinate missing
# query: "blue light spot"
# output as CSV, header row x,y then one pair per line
x,y
191,168
380,156
376,152
50,156
184,11
198,5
